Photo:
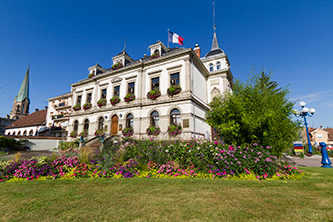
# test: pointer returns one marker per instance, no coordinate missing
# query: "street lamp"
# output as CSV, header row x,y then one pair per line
x,y
305,111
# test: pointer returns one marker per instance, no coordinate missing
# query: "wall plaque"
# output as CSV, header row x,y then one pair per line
x,y
120,127
186,123
214,82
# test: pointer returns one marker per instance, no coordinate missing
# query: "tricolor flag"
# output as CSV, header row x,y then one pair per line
x,y
174,38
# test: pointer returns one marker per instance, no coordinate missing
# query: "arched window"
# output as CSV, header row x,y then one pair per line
x,y
24,133
8,134
211,67
156,51
154,119
100,123
175,117
86,125
13,133
76,125
129,121
19,133
218,65
31,133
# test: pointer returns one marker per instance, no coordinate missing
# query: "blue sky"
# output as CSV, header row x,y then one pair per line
x,y
61,39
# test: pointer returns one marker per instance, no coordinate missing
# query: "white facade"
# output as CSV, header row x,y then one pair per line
x,y
198,86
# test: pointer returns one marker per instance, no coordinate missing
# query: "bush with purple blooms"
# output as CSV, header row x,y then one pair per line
x,y
127,132
153,131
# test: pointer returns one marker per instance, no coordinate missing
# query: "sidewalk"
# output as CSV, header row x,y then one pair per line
x,y
313,161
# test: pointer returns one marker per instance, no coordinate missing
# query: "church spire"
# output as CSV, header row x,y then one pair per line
x,y
24,90
215,43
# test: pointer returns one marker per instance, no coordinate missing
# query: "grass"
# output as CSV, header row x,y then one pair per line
x,y
306,199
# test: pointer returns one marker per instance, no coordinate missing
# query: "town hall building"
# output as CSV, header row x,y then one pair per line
x,y
170,86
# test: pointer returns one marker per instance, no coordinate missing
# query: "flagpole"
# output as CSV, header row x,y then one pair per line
x,y
168,38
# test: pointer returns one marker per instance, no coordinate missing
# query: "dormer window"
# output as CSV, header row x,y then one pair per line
x,y
218,65
211,68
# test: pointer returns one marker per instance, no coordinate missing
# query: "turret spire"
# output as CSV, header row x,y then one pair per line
x,y
24,90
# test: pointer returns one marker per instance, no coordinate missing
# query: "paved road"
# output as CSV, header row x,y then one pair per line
x,y
314,161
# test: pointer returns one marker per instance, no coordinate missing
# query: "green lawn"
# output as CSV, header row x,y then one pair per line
x,y
306,199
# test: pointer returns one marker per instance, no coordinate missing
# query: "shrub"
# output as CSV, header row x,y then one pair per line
x,y
67,146
129,97
153,94
115,100
101,102
173,90
154,131
174,130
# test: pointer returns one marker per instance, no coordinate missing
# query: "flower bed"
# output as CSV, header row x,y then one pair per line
x,y
153,131
101,102
129,97
87,106
115,100
153,94
77,107
174,90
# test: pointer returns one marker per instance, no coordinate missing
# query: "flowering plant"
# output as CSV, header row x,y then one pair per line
x,y
128,132
174,130
114,100
73,134
173,90
154,94
155,56
84,133
77,107
117,66
99,133
101,102
91,75
87,106
152,130
129,97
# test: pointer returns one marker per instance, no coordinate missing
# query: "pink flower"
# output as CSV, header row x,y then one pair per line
x,y
215,142
221,151
147,176
231,148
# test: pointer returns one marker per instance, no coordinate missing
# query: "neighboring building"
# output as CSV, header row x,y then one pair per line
x,y
21,102
319,135
5,122
27,126
200,79
59,109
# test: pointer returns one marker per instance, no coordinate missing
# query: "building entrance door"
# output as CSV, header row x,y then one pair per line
x,y
114,125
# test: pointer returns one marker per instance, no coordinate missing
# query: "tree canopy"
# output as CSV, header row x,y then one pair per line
x,y
257,111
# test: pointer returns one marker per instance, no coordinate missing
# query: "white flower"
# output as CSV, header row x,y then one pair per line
x,y
211,151
198,148
189,151
216,148
217,162
166,151
210,145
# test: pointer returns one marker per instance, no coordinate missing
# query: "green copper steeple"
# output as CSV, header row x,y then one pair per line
x,y
24,90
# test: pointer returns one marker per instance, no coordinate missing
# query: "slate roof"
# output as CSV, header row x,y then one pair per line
x,y
36,118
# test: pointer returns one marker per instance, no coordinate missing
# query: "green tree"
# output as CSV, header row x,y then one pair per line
x,y
257,111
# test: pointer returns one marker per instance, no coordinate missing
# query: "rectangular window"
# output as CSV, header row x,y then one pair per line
x,y
155,83
89,95
79,99
131,87
103,96
174,79
116,91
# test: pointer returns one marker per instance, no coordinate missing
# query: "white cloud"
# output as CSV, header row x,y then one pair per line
x,y
312,97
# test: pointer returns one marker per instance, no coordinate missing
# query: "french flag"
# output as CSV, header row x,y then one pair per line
x,y
174,38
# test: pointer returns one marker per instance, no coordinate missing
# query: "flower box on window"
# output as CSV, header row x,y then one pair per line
x,y
115,100
73,134
87,106
154,94
101,102
174,90
77,107
99,133
155,56
84,134
153,131
129,97
128,132
174,130
91,75
117,66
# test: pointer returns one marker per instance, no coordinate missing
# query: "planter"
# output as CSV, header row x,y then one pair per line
x,y
99,133
153,131
91,75
174,130
73,134
84,134
153,94
117,66
115,100
77,107
129,97
128,132
155,56
174,90
87,106
101,102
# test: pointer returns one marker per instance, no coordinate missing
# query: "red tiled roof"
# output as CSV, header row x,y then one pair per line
x,y
330,133
33,119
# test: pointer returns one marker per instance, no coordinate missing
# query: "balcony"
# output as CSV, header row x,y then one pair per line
x,y
60,117
62,106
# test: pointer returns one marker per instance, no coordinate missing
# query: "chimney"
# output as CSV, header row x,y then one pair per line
x,y
36,109
197,50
